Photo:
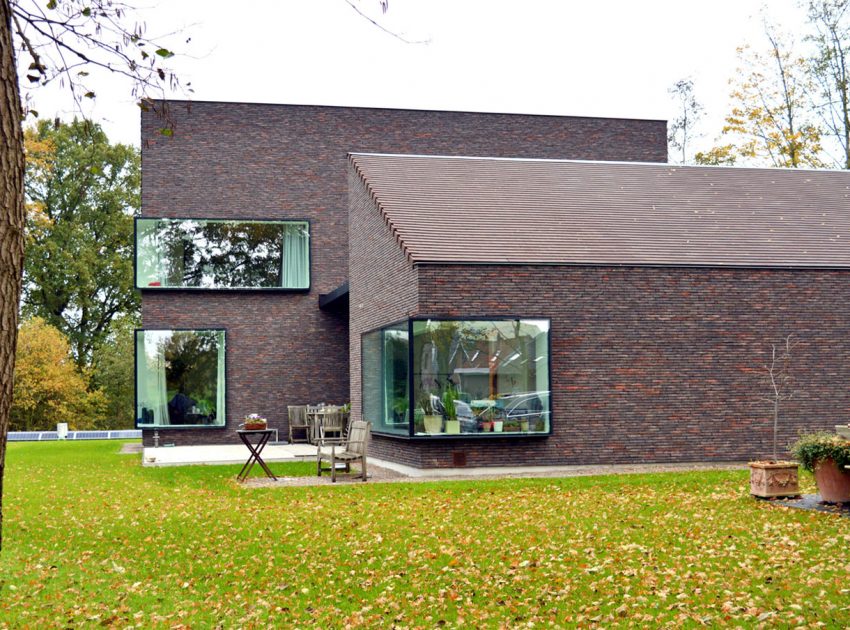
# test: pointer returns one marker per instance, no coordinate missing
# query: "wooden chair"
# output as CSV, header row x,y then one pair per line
x,y
313,423
351,449
298,422
332,426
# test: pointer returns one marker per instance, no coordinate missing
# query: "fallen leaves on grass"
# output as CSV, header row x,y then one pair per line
x,y
125,546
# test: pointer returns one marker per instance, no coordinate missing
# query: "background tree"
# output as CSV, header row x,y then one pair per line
x,y
112,372
81,195
62,40
49,388
682,129
771,122
830,20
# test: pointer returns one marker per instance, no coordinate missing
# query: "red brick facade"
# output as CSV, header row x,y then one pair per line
x,y
228,160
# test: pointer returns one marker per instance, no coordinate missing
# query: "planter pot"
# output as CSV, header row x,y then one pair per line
x,y
833,482
774,479
257,426
433,424
523,425
453,426
843,430
497,426
486,427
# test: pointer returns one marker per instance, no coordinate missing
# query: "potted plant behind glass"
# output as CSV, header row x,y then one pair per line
x,y
826,455
433,423
452,423
775,478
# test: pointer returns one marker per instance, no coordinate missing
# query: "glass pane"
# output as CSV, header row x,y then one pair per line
x,y
219,254
481,376
384,373
180,378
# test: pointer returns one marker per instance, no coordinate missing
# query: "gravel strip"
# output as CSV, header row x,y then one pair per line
x,y
379,474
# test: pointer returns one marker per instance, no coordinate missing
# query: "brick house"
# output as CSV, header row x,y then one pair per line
x,y
480,311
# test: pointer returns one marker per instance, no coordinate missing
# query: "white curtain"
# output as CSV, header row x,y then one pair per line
x,y
152,390
296,256
221,386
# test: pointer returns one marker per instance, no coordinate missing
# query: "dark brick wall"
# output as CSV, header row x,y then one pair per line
x,y
656,365
277,161
383,285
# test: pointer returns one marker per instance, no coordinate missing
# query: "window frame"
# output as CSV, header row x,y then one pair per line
x,y
306,289
492,435
176,427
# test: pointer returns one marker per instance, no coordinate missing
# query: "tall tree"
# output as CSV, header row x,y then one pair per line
x,y
112,372
771,121
62,40
830,20
49,387
682,130
81,194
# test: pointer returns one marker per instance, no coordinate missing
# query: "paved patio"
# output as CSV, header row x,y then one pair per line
x,y
215,454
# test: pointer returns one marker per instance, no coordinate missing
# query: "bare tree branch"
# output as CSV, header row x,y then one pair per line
x,y
384,6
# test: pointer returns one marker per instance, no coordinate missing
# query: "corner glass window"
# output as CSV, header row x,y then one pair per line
x,y
386,399
222,254
180,379
428,378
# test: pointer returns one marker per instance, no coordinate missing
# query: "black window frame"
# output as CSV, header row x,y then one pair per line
x,y
410,382
306,289
177,427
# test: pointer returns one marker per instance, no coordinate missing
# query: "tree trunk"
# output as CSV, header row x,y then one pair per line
x,y
11,226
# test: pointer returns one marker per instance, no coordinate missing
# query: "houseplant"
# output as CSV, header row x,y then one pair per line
x,y
826,455
433,422
452,423
774,478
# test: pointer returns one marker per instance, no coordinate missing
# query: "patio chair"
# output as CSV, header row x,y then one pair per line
x,y
298,422
332,426
313,422
351,449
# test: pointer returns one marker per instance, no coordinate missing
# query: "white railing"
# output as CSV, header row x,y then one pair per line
x,y
47,436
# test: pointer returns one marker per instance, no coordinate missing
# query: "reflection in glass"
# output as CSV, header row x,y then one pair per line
x,y
469,377
481,376
220,254
179,378
386,400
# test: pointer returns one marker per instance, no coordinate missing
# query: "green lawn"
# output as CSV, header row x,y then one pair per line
x,y
92,538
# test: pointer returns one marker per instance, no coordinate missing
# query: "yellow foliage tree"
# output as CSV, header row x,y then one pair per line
x,y
49,388
771,122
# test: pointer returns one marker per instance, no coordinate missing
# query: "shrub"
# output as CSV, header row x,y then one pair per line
x,y
815,447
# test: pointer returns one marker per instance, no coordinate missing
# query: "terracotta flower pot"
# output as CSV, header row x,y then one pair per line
x,y
833,482
774,479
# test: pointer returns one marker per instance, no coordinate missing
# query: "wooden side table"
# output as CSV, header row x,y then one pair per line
x,y
256,450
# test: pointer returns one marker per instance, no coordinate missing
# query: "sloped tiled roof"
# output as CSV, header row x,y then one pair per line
x,y
482,210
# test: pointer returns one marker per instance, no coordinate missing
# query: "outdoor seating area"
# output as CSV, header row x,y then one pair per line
x,y
317,424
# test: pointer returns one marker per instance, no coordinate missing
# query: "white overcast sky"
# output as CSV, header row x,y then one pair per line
x,y
604,58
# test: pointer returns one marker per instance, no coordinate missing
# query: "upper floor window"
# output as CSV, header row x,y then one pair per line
x,y
222,254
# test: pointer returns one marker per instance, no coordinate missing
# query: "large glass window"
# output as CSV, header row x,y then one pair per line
x,y
386,399
180,378
481,377
222,254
